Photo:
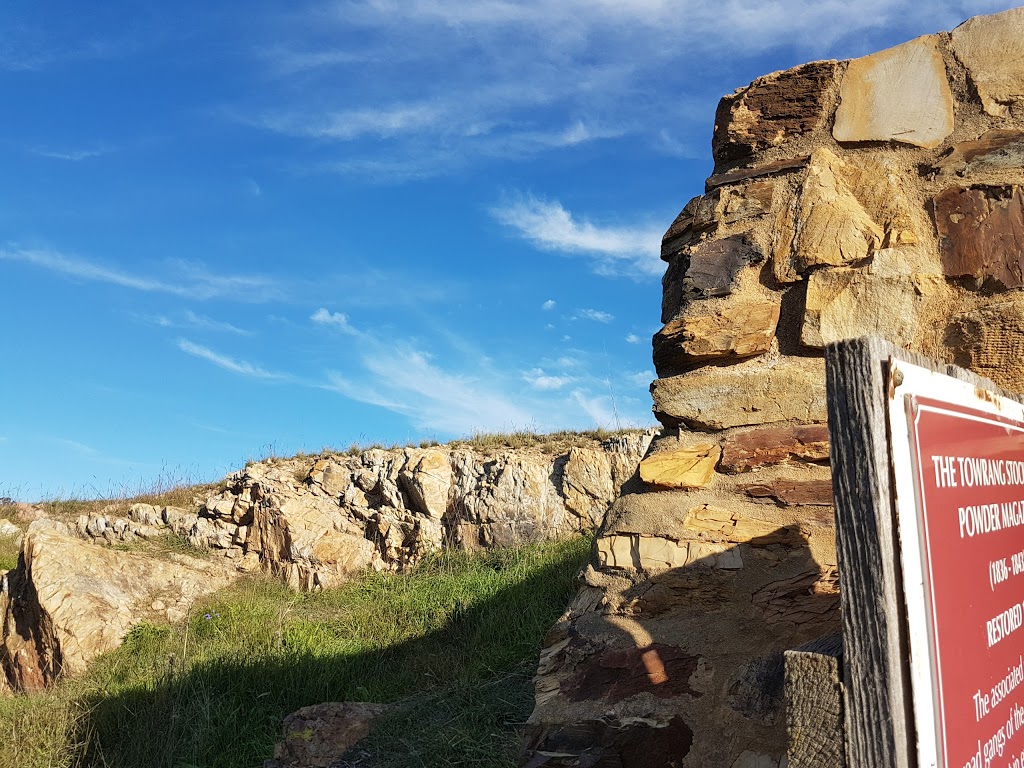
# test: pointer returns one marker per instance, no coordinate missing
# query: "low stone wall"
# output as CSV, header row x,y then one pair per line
x,y
883,195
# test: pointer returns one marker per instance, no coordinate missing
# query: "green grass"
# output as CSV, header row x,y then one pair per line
x,y
453,643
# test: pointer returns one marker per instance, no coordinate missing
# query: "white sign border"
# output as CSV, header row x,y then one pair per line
x,y
905,380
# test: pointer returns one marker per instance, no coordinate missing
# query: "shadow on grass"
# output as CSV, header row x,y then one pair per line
x,y
463,682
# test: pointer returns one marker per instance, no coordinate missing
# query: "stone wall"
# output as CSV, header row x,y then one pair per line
x,y
883,195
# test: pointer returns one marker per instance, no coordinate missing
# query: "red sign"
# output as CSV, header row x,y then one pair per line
x,y
969,472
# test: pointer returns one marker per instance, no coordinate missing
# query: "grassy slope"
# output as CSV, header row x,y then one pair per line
x,y
454,642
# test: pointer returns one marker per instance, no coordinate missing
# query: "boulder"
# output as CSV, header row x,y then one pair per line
x,y
318,736
69,601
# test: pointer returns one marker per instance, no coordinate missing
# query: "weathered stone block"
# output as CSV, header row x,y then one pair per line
x,y
689,467
774,445
900,94
992,49
789,492
739,395
992,151
734,330
825,224
990,341
981,234
771,110
846,303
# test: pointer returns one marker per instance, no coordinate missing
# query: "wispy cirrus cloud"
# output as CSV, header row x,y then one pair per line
x,y
190,319
72,155
614,250
185,279
240,367
445,84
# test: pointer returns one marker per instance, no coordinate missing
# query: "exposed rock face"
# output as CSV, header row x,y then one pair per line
x,y
881,195
68,601
312,521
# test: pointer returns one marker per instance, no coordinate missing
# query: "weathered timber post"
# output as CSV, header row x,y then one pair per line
x,y
928,477
814,704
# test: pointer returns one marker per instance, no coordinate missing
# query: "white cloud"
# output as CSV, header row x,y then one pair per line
x,y
189,280
538,379
406,380
192,320
444,84
597,315
72,155
615,250
549,304
632,338
337,319
381,122
240,367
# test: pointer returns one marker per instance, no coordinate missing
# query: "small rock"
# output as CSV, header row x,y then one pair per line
x,y
319,735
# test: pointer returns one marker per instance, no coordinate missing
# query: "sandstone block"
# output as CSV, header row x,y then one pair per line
x,y
758,171
981,234
771,110
738,528
774,445
714,265
789,492
992,49
697,216
733,330
792,389
900,94
992,151
707,271
826,223
990,341
846,303
690,467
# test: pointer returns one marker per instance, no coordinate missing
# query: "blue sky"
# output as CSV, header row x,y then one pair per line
x,y
233,229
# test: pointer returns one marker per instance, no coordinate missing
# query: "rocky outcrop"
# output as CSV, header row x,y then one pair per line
x,y
317,520
311,521
68,601
876,196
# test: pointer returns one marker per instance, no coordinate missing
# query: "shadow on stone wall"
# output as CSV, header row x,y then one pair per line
x,y
686,663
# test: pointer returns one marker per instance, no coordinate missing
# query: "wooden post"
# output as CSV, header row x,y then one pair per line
x,y
876,394
814,704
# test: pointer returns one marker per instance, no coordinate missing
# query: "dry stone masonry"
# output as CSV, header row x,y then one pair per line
x,y
883,195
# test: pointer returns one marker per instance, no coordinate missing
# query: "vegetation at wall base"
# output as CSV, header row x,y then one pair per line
x,y
453,645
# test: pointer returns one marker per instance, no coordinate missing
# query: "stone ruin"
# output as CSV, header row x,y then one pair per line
x,y
882,195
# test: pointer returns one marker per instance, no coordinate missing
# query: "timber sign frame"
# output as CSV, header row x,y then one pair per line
x,y
928,478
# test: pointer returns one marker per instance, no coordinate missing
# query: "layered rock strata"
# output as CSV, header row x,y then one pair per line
x,y
878,196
